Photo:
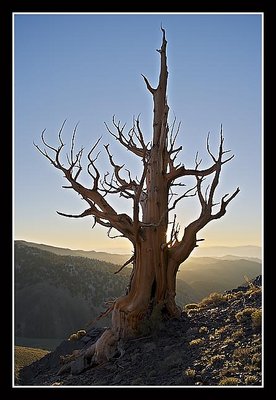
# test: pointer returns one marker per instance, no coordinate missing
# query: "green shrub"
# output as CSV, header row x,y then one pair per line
x,y
229,381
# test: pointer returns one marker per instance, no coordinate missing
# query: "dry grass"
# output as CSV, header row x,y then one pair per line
x,y
190,373
24,356
256,317
245,314
196,342
229,381
213,300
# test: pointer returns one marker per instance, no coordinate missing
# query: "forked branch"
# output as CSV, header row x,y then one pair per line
x,y
181,250
102,211
128,141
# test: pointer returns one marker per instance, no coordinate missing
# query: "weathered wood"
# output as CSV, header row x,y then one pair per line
x,y
155,259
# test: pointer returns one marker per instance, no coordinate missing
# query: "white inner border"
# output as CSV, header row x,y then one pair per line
x,y
13,179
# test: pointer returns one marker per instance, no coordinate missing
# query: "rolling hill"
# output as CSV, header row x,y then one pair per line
x,y
58,292
206,274
25,356
54,295
95,255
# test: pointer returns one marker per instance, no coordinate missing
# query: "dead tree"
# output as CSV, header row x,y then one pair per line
x,y
156,256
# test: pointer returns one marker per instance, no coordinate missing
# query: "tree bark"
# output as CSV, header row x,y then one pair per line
x,y
156,259
153,280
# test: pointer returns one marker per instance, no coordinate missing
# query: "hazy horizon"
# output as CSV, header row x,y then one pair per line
x,y
88,67
123,251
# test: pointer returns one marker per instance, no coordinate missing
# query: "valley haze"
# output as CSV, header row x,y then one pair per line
x,y
247,251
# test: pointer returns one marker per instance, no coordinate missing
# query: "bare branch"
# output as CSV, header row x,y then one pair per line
x,y
132,258
92,164
99,207
115,236
199,192
73,142
84,214
186,194
206,194
44,142
228,159
174,233
149,87
181,184
197,162
117,169
208,148
173,136
180,171
60,133
140,136
224,204
128,143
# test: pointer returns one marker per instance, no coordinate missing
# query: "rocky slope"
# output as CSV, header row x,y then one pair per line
x,y
215,342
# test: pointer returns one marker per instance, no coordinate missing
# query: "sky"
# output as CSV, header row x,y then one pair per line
x,y
87,67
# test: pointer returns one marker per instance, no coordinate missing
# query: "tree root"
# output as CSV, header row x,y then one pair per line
x,y
98,353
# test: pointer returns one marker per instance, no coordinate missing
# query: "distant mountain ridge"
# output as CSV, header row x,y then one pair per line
x,y
92,254
222,251
227,252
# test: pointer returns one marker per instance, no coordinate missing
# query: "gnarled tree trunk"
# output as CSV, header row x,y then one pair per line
x,y
151,284
156,257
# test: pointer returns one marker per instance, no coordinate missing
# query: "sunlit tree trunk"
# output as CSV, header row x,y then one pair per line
x,y
157,250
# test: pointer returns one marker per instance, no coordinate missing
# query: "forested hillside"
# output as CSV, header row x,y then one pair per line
x,y
57,294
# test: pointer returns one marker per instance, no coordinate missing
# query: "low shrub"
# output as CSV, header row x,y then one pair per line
x,y
229,381
214,299
245,314
196,342
190,373
256,317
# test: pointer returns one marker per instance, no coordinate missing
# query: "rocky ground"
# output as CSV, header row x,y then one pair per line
x,y
215,342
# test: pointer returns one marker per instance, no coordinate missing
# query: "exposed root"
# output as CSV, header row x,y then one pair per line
x,y
124,326
106,347
100,352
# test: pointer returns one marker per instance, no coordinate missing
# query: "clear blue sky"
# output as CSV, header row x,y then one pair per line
x,y
88,67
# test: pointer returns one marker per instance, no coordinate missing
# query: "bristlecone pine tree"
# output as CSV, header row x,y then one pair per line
x,y
157,250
